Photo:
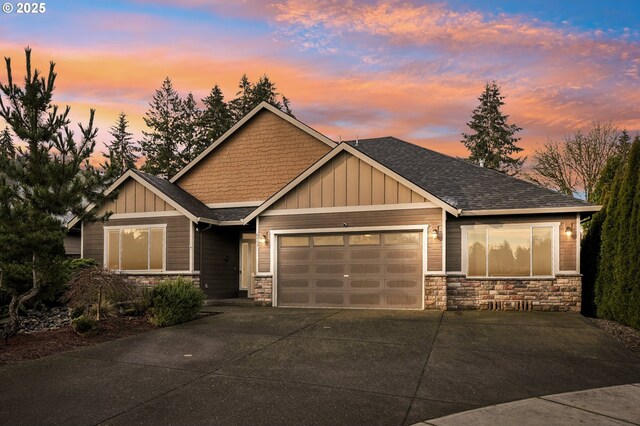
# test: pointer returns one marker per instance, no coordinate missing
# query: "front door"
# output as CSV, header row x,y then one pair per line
x,y
248,263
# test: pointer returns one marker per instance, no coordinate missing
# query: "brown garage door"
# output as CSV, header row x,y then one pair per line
x,y
363,270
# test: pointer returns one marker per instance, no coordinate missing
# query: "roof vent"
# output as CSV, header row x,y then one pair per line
x,y
356,140
481,162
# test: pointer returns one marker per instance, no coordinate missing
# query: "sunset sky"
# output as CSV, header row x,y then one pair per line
x,y
368,68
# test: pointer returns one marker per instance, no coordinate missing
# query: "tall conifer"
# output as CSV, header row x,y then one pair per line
x,y
493,141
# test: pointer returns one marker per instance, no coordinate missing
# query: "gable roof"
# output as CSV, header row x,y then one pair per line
x,y
372,162
471,189
261,106
179,199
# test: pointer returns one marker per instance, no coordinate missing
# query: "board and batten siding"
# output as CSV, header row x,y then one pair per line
x,y
178,238
133,197
347,181
568,249
423,216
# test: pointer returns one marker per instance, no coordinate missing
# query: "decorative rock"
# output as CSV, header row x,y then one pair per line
x,y
37,320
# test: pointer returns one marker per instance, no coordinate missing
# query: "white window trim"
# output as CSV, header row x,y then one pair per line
x,y
273,248
555,258
106,230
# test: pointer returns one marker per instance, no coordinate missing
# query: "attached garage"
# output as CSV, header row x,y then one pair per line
x,y
351,270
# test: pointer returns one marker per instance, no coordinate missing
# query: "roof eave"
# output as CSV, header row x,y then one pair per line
x,y
536,210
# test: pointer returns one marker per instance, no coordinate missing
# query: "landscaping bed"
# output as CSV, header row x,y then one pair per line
x,y
628,336
30,346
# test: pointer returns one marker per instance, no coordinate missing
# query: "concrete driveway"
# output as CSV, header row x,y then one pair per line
x,y
308,366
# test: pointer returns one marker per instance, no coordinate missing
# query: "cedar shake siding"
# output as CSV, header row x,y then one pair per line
x,y
567,244
431,217
254,162
133,197
177,250
347,181
219,276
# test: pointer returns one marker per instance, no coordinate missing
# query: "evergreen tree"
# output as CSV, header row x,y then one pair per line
x,y
244,101
122,151
215,119
160,144
250,95
48,177
189,132
6,144
494,140
624,143
618,279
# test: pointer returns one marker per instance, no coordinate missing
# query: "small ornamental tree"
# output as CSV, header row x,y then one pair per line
x,y
493,142
93,287
46,177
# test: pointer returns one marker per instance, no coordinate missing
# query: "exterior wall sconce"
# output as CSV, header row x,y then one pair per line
x,y
436,232
569,231
262,239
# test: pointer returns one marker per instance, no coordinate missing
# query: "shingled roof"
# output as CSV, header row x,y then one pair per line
x,y
459,183
190,203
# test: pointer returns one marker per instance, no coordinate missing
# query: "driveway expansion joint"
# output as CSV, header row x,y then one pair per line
x,y
546,398
424,367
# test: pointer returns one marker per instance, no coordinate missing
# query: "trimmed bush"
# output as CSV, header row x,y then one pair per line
x,y
84,326
174,301
617,287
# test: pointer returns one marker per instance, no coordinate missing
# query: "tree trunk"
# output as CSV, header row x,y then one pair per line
x,y
99,303
19,299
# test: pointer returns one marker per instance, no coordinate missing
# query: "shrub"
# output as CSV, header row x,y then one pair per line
x,y
84,326
175,301
74,265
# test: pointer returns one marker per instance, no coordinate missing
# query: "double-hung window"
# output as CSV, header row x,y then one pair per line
x,y
509,250
135,248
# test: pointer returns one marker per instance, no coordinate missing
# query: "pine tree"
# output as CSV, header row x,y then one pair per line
x,y
122,151
243,103
49,177
189,132
215,119
624,143
6,144
618,279
250,95
160,144
494,140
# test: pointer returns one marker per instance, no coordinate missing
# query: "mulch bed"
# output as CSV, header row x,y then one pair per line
x,y
628,336
25,347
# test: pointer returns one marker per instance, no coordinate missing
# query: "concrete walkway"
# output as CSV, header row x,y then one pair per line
x,y
254,366
615,405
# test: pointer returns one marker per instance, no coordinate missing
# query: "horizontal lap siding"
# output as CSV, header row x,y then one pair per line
x,y
219,276
178,236
454,236
432,217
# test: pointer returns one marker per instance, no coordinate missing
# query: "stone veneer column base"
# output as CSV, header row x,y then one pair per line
x,y
151,280
263,295
560,294
435,292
